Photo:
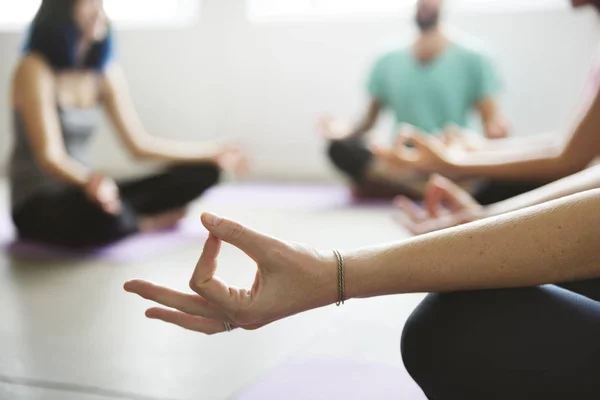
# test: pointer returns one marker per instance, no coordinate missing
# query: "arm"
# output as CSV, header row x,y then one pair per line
x,y
493,125
333,130
586,180
447,204
369,120
124,117
534,163
35,98
551,243
548,142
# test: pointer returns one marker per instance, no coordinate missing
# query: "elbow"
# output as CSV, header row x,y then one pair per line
x,y
568,164
51,161
139,153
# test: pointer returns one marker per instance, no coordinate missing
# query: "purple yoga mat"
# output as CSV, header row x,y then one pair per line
x,y
334,379
251,195
135,248
288,196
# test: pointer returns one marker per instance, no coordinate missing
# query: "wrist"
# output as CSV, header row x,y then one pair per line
x,y
327,278
494,210
355,284
450,166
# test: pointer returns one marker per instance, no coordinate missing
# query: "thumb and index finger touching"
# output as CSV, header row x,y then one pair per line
x,y
204,282
441,190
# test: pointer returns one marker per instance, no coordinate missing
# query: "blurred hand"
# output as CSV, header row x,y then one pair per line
x,y
290,279
104,192
232,159
427,153
334,129
446,205
456,140
497,130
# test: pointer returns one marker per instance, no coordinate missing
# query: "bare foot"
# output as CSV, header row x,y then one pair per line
x,y
162,222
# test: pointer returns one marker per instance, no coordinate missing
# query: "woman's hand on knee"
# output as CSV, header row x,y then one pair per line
x,y
104,191
232,159
290,279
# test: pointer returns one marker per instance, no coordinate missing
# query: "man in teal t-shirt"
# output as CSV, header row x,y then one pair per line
x,y
444,90
431,85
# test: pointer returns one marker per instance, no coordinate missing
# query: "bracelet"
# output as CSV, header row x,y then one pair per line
x,y
341,278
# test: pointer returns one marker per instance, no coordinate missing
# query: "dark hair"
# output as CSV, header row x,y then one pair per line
x,y
54,35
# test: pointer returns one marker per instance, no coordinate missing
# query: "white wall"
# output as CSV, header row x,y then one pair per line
x,y
268,84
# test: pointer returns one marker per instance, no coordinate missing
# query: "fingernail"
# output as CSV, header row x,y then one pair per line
x,y
211,219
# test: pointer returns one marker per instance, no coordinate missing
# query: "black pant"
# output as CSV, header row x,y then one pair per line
x,y
68,218
518,344
353,159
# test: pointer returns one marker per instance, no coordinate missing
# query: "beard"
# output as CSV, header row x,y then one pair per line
x,y
430,22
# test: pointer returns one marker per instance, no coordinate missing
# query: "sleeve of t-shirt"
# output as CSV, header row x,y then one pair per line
x,y
376,86
488,82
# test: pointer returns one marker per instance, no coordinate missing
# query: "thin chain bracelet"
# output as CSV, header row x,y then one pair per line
x,y
341,278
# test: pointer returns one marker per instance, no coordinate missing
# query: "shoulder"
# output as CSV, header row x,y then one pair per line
x,y
33,65
113,79
32,69
473,50
393,56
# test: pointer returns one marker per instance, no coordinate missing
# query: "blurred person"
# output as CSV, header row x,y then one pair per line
x,y
510,164
435,83
65,77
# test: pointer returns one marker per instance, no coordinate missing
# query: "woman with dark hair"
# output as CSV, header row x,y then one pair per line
x,y
516,309
66,75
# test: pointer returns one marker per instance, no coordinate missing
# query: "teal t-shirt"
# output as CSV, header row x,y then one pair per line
x,y
433,95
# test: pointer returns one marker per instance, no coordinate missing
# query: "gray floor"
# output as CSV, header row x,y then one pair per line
x,y
68,331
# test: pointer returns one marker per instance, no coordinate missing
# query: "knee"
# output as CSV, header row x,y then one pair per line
x,y
349,157
415,345
340,153
431,342
203,174
212,174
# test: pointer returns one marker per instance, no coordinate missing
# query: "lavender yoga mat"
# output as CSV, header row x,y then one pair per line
x,y
135,248
334,379
288,196
251,195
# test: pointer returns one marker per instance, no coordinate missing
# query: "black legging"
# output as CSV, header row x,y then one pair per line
x,y
68,218
353,158
517,344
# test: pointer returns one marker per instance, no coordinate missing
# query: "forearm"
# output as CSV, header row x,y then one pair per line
x,y
361,129
521,164
67,169
580,182
545,143
175,151
550,243
366,124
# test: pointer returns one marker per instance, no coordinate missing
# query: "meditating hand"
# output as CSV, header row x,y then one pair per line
x,y
291,278
427,154
457,139
446,205
332,129
104,192
232,159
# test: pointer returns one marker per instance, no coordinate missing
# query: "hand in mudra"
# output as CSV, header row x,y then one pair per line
x,y
104,192
446,205
332,129
290,279
232,159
